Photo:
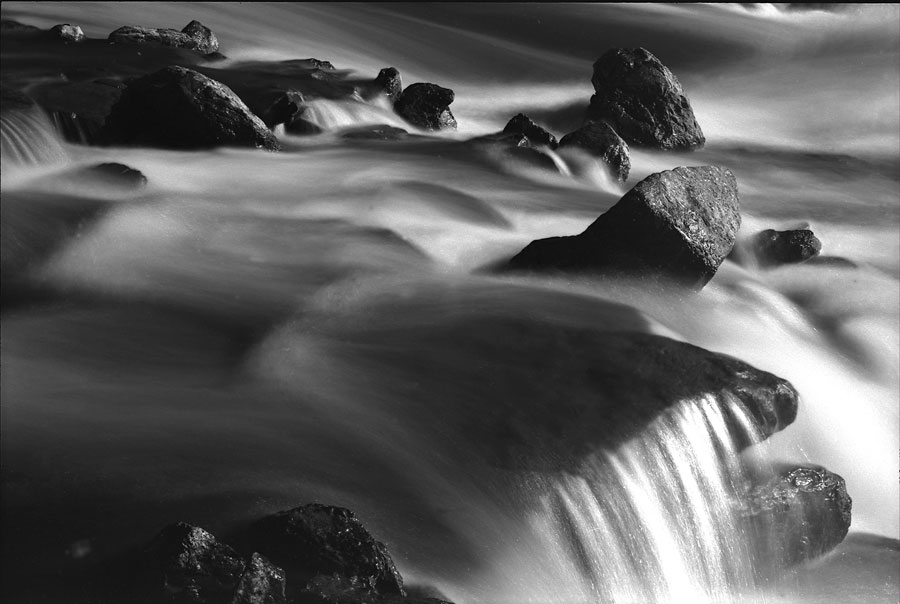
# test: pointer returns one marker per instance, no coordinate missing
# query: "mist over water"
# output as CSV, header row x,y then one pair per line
x,y
253,331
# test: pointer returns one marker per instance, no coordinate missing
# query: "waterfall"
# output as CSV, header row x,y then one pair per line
x,y
655,521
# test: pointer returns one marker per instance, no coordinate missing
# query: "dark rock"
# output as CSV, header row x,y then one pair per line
x,y
517,146
261,583
679,224
10,26
600,140
302,126
773,248
118,174
383,133
798,515
388,81
277,107
426,106
333,589
194,36
80,109
317,539
522,124
185,563
67,32
14,100
643,101
179,108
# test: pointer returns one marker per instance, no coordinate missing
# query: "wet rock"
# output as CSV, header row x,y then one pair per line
x,y
80,109
516,146
600,140
276,107
14,100
118,174
179,108
317,539
194,36
678,225
426,106
388,82
643,101
185,563
383,133
10,26
773,248
261,583
67,32
522,124
302,126
798,515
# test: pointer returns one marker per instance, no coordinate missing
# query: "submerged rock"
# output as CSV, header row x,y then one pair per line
x,y
67,32
383,132
522,124
774,248
679,225
194,36
179,108
118,174
600,140
798,515
426,106
516,146
388,82
317,539
643,101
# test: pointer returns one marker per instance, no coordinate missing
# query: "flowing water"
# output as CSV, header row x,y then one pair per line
x,y
253,331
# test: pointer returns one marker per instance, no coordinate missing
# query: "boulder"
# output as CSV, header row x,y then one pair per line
x,y
600,140
179,108
194,36
67,32
317,539
773,248
643,101
388,82
522,124
187,564
261,583
678,225
426,106
797,515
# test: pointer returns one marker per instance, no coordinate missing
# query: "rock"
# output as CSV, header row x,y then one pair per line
x,y
302,126
388,82
643,101
278,107
118,174
799,514
517,146
194,36
426,106
382,132
179,108
14,100
773,248
10,26
333,589
522,124
69,33
185,563
317,539
600,140
679,225
80,109
261,583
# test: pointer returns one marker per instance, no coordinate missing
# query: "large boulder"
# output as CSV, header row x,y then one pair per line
x,y
194,36
600,140
179,108
318,539
522,124
797,515
426,106
643,101
678,225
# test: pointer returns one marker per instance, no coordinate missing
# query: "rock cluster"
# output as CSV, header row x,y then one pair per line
x,y
194,36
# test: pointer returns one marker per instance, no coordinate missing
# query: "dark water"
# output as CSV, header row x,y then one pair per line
x,y
254,331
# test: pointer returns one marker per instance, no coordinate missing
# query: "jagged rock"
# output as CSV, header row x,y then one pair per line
x,y
679,224
118,174
194,36
798,515
185,563
522,124
600,140
426,106
317,539
773,247
179,108
67,32
388,81
261,583
643,101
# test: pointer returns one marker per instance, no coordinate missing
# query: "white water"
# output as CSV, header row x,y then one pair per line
x,y
338,258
